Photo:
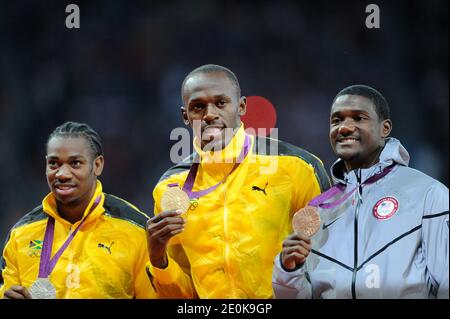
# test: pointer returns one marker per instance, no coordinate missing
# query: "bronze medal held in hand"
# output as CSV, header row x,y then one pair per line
x,y
175,199
42,288
306,221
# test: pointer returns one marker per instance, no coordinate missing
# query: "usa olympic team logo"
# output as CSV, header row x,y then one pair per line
x,y
385,207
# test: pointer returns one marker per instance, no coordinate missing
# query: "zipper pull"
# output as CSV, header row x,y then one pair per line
x,y
359,185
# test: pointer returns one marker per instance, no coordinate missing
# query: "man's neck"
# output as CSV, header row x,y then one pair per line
x,y
370,161
74,212
70,213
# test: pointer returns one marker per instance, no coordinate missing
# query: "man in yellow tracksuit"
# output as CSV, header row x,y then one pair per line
x,y
81,242
243,191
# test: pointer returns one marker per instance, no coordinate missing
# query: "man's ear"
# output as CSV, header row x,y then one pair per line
x,y
99,162
386,128
242,106
184,115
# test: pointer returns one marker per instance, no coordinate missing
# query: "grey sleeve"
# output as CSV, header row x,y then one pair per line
x,y
290,284
435,237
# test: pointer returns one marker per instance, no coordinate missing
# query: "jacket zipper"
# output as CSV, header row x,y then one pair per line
x,y
358,204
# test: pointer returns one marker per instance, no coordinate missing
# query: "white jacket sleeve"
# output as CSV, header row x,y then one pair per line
x,y
290,284
435,237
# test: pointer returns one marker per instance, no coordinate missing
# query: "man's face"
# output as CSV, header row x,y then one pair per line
x,y
213,107
356,134
71,170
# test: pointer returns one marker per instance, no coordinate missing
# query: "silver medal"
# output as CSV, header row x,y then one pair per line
x,y
42,288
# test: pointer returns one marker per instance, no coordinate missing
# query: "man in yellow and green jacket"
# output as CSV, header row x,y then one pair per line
x,y
244,193
107,254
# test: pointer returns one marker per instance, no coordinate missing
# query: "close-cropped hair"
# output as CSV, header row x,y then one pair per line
x,y
74,129
378,100
213,68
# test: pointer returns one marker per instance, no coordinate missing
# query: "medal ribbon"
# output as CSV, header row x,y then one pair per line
x,y
47,264
190,180
319,201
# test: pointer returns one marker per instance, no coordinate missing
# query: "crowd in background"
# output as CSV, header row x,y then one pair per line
x,y
121,73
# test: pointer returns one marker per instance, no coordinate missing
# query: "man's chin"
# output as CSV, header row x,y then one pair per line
x,y
66,201
347,155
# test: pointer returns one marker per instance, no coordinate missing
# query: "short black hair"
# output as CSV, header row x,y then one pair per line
x,y
213,68
378,100
74,129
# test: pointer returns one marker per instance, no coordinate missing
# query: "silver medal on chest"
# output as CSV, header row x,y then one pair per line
x,y
42,288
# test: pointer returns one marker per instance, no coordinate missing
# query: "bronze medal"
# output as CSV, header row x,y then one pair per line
x,y
175,199
42,288
306,221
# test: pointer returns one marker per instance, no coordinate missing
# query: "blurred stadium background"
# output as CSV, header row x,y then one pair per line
x,y
121,73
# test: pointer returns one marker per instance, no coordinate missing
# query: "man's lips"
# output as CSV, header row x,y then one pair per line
x,y
347,140
64,189
212,128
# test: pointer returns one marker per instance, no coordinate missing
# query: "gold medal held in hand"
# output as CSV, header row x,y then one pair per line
x,y
306,221
175,199
42,288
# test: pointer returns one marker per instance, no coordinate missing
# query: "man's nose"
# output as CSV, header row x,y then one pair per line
x,y
210,113
63,172
346,127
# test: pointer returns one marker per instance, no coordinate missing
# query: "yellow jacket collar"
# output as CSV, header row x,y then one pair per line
x,y
49,206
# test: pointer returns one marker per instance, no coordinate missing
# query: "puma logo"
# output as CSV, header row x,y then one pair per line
x,y
100,245
256,188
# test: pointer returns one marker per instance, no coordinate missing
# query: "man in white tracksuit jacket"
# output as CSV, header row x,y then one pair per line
x,y
390,237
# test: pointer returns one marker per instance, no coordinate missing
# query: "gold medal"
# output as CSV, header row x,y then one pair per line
x,y
175,199
306,221
42,288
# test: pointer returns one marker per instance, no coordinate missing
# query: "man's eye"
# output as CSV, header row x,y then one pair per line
x,y
335,120
197,107
52,163
221,103
76,163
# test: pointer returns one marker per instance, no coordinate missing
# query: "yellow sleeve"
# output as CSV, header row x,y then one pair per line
x,y
143,286
175,280
9,272
308,182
